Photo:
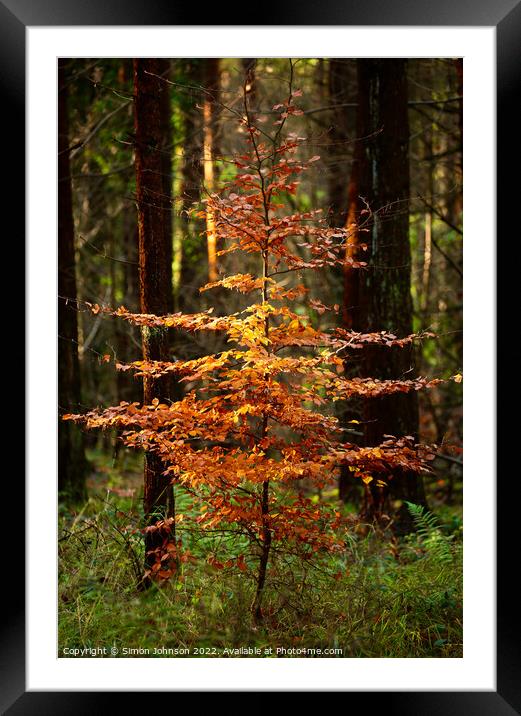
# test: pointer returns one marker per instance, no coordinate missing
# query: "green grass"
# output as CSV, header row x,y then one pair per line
x,y
379,598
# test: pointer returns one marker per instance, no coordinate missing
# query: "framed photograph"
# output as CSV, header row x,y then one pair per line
x,y
364,123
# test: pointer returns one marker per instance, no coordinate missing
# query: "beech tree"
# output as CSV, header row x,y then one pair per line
x,y
254,421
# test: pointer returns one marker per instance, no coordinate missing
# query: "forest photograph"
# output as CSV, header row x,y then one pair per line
x,y
260,357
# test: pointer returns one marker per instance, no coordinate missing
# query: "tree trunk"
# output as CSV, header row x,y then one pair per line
x,y
209,152
194,268
358,181
338,154
344,211
72,464
155,256
386,285
249,66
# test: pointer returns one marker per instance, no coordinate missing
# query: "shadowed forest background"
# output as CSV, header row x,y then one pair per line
x,y
143,147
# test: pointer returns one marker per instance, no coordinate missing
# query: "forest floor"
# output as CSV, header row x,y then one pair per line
x,y
381,597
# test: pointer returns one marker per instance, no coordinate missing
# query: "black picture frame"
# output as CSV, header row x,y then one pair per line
x,y
505,16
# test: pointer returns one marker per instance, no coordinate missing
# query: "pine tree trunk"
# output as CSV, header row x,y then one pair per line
x,y
344,211
72,464
339,133
348,485
386,285
155,256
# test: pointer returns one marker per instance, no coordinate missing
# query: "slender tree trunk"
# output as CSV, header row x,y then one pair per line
x,y
165,114
127,388
386,287
265,497
194,268
266,533
456,206
427,236
210,126
250,85
459,74
72,464
265,553
129,287
155,258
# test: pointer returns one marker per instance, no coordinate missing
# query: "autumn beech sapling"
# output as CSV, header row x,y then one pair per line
x,y
254,423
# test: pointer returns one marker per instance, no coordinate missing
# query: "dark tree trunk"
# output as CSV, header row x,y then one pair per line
x,y
342,125
459,75
456,204
343,201
72,464
348,485
352,314
155,256
386,285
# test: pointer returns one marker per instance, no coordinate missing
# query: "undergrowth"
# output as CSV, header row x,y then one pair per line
x,y
380,597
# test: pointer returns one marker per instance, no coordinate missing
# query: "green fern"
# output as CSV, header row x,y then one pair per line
x,y
436,544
